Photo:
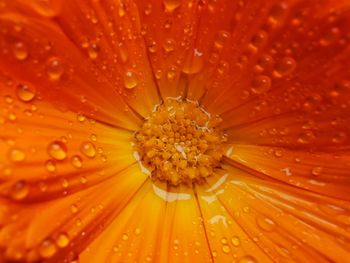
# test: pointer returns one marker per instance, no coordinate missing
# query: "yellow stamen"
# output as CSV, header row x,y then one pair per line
x,y
180,143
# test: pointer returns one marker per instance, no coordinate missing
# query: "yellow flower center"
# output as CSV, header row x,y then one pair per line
x,y
180,143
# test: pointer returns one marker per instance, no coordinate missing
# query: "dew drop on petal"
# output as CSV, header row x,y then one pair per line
x,y
221,39
62,240
57,150
130,80
54,68
76,161
316,170
260,84
93,51
20,51
284,67
16,155
125,237
265,223
235,241
88,149
25,93
171,5
169,45
19,190
247,259
50,166
226,249
194,63
47,248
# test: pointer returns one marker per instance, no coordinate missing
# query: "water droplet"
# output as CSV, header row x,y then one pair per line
x,y
81,117
125,237
235,241
62,240
260,84
277,12
171,73
50,166
88,149
171,5
226,249
258,39
25,93
284,67
93,51
19,190
316,170
222,38
130,80
264,62
148,9
16,155
74,209
137,231
20,51
54,69
169,45
194,63
57,150
47,248
247,259
265,223
123,53
76,161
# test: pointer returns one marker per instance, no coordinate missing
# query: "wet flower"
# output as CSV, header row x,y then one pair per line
x,y
174,131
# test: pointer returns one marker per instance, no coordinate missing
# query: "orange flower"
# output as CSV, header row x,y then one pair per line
x,y
174,131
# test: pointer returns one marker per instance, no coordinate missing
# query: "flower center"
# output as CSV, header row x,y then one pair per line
x,y
180,143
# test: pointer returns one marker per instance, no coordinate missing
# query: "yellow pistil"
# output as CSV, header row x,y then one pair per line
x,y
180,143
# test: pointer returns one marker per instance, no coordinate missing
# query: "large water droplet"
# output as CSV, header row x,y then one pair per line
x,y
20,51
265,223
19,190
235,241
194,63
16,155
93,51
76,161
54,68
88,149
62,240
169,45
130,80
284,67
171,5
57,150
47,248
260,84
25,93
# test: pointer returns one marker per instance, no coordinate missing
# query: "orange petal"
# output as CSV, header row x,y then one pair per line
x,y
287,223
70,222
51,153
292,56
36,52
320,172
169,29
134,233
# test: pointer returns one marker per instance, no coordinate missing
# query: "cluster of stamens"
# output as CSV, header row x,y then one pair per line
x,y
180,143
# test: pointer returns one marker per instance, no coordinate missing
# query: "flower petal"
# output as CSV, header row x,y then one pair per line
x,y
134,233
79,217
36,52
52,153
108,33
287,222
319,172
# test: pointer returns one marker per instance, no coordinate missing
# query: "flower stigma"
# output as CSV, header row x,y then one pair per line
x,y
180,143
